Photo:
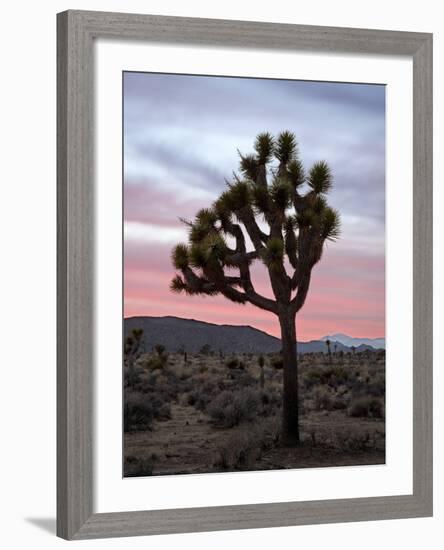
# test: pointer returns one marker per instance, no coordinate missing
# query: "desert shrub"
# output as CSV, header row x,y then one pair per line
x,y
205,350
358,387
200,396
134,467
271,401
277,362
181,372
370,407
140,409
229,409
376,388
268,432
337,375
245,446
138,413
232,363
160,387
163,412
338,371
186,385
334,375
199,399
157,362
167,390
132,375
312,377
242,378
322,400
239,452
191,398
338,403
353,441
167,381
210,387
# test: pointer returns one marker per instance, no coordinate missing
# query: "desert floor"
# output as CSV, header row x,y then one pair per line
x,y
212,413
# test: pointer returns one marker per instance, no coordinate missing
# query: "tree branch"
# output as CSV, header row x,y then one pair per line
x,y
257,236
236,258
243,260
291,244
303,286
298,202
197,284
260,301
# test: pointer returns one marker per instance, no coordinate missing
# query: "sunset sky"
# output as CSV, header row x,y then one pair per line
x,y
181,134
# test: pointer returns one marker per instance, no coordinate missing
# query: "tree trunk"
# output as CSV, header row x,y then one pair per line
x,y
290,420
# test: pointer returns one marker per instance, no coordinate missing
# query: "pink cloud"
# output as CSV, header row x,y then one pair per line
x,y
146,203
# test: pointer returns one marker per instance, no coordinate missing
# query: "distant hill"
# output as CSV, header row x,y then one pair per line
x,y
349,341
176,333
317,346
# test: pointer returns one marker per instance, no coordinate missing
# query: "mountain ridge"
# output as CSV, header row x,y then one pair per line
x,y
192,335
355,341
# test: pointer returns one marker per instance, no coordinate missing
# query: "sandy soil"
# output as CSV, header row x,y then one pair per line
x,y
187,443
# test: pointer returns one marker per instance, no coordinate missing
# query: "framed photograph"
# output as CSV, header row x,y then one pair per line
x,y
244,275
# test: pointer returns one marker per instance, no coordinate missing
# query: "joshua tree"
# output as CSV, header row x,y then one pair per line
x,y
283,213
328,350
133,346
261,362
205,349
161,357
159,349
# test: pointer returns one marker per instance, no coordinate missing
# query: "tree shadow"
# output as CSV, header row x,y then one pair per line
x,y
46,524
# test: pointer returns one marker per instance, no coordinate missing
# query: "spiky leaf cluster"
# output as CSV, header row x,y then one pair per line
x,y
264,147
179,256
225,238
286,147
320,178
273,253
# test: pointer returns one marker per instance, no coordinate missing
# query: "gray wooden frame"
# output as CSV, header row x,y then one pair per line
x,y
76,32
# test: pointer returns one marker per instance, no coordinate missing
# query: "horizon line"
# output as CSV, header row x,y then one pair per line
x,y
248,326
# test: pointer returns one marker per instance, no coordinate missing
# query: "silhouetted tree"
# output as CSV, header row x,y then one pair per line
x,y
261,362
273,188
133,346
328,343
159,349
205,349
162,357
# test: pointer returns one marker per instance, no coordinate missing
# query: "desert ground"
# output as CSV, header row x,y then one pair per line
x,y
212,412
